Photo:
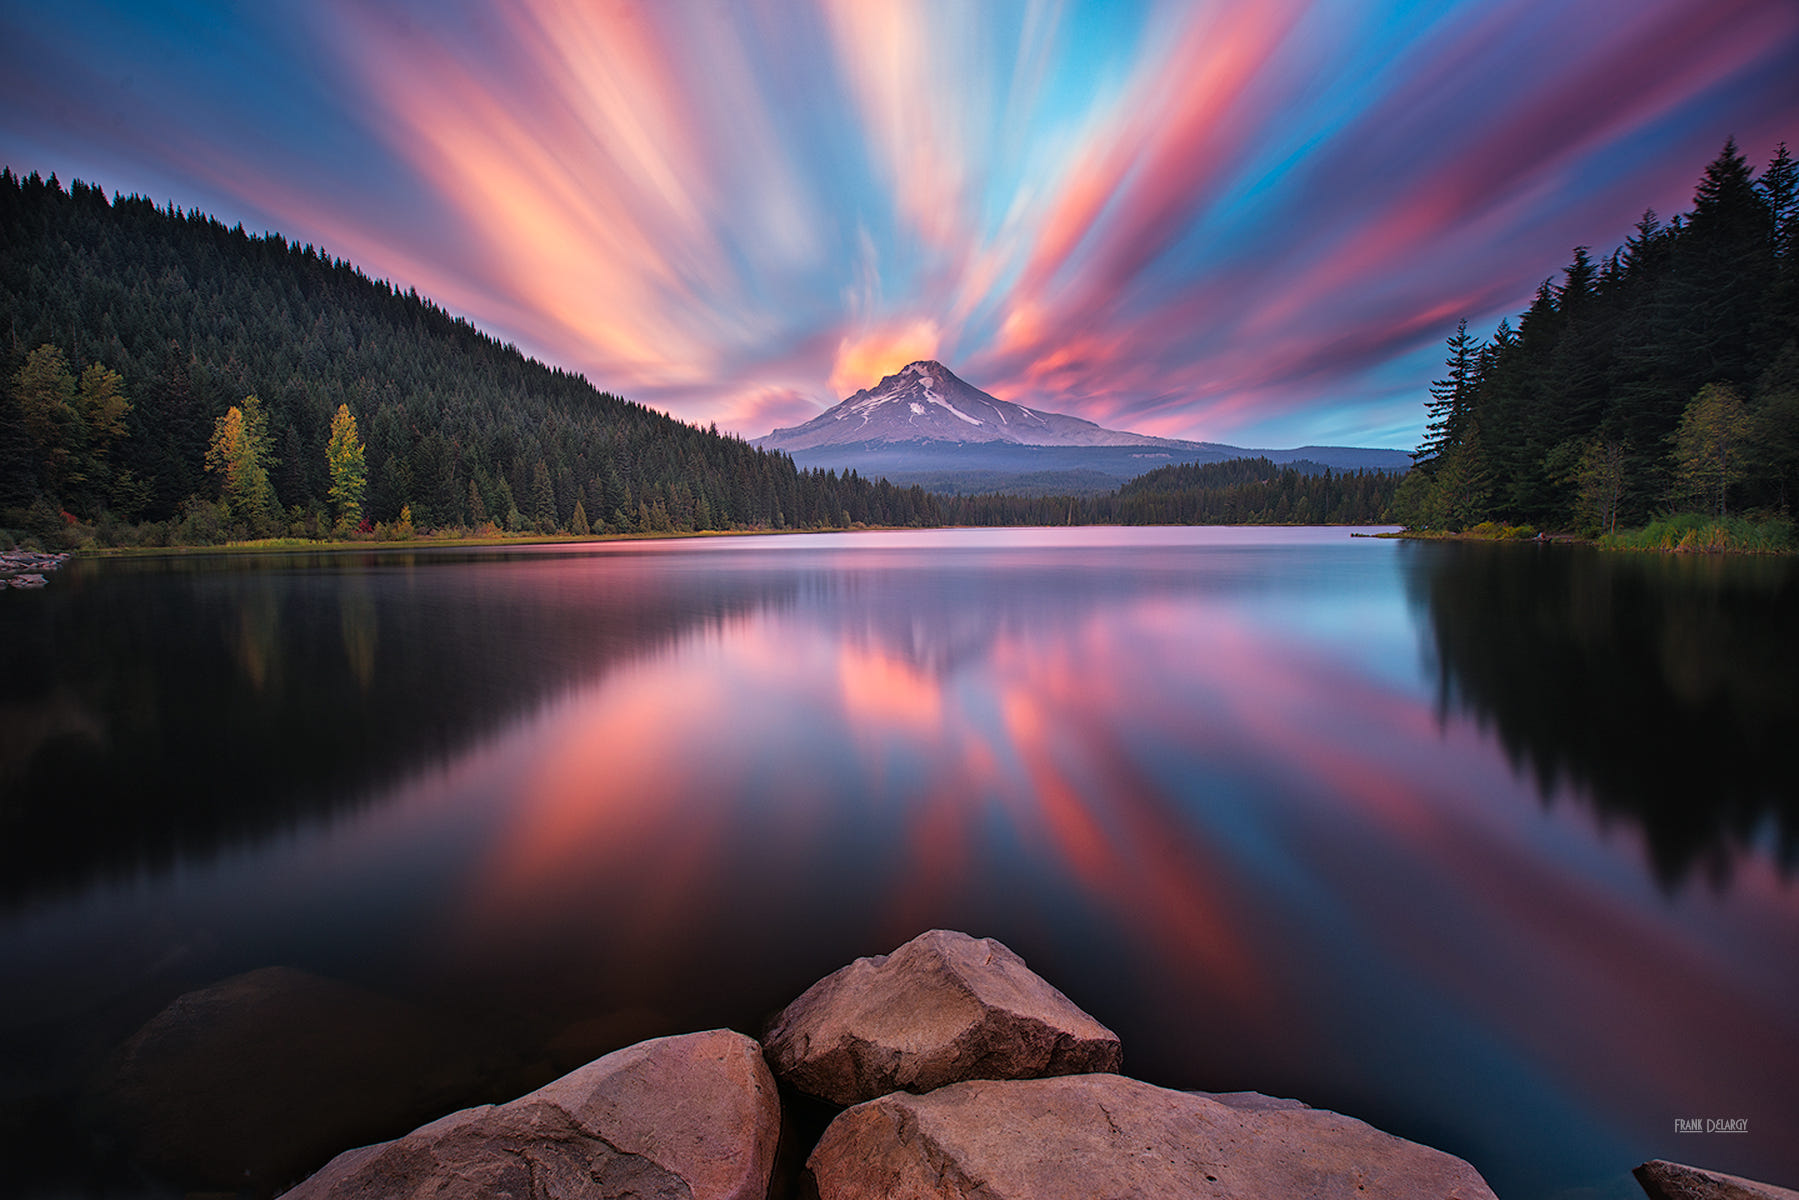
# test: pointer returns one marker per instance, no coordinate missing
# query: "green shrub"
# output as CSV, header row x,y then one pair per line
x,y
1499,532
1703,533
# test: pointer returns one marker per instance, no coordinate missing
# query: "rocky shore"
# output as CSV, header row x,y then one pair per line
x,y
28,569
952,1071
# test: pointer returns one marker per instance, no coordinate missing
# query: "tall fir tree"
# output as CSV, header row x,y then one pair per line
x,y
1452,397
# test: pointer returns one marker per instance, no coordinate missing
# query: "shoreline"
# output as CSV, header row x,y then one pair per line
x,y
450,542
49,561
286,545
29,568
1572,539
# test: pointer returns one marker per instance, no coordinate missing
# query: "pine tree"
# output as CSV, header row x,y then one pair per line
x,y
543,498
1451,397
1779,188
477,509
1726,265
1465,484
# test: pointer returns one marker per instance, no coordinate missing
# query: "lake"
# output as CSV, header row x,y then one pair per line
x,y
1492,846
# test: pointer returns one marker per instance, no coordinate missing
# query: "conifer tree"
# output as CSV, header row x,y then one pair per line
x,y
543,498
1451,397
1779,188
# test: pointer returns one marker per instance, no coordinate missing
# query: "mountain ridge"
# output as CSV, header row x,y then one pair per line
x,y
923,420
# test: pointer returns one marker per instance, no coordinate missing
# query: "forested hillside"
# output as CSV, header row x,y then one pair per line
x,y
151,326
1239,491
1663,376
171,380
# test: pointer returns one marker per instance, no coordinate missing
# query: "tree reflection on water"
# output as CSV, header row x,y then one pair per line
x,y
1661,686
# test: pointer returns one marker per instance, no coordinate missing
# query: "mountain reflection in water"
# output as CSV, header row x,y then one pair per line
x,y
1268,802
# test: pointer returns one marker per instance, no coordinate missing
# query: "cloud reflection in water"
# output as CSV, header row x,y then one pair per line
x,y
1312,877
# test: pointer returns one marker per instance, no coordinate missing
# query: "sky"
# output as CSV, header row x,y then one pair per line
x,y
1246,221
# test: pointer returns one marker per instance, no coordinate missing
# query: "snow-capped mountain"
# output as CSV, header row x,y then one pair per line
x,y
925,401
923,425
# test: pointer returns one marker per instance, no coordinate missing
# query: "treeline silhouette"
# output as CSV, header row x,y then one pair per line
x,y
1239,491
194,317
1663,376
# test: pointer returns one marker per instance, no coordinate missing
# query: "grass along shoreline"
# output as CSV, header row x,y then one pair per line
x,y
1674,533
446,541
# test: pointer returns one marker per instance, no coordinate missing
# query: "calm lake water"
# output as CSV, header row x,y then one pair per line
x,y
1492,846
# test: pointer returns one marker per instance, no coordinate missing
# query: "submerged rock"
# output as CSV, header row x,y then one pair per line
x,y
1665,1180
26,568
943,1008
255,1079
695,1116
1081,1136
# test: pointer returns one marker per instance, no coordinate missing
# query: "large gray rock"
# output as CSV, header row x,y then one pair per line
x,y
943,1008
1082,1136
694,1117
1665,1180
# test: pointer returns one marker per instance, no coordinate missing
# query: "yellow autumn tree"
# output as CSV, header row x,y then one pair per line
x,y
239,455
349,469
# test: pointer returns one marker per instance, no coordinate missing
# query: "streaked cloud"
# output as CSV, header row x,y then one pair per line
x,y
1246,222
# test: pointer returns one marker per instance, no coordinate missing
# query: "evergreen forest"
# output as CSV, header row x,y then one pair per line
x,y
1239,491
1660,379
177,381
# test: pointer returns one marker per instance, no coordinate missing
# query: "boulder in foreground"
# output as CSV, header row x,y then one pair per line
x,y
1665,1180
1077,1137
694,1116
943,1008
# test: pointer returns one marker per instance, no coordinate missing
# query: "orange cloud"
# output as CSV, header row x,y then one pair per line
x,y
760,409
863,359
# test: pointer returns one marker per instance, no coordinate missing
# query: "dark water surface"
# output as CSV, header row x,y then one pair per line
x,y
1492,846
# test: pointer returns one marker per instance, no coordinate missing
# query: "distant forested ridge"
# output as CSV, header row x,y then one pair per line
x,y
1661,377
154,325
1239,491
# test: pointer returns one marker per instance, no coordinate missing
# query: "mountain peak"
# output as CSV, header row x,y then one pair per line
x,y
924,368
924,401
